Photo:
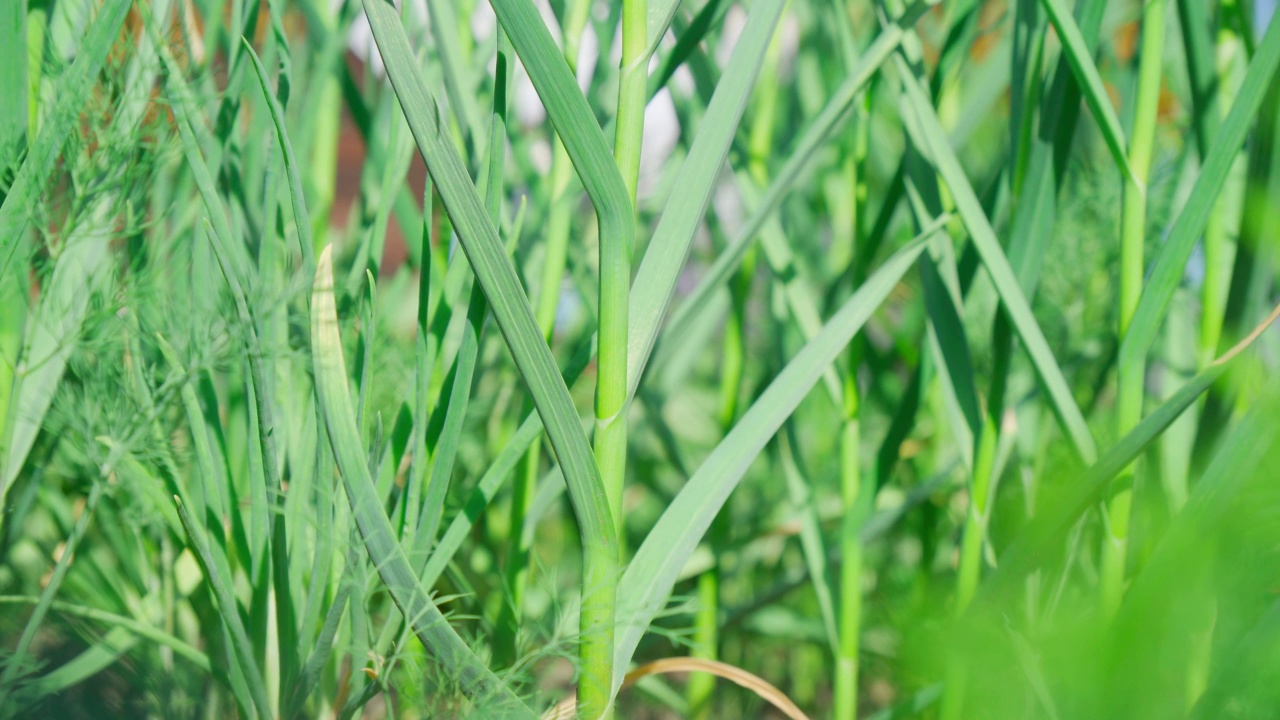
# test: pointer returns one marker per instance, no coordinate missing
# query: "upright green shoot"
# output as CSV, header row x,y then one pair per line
x,y
1133,219
853,496
615,267
633,92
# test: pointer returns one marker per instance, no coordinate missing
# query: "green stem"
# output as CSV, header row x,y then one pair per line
x,y
970,570
706,641
975,524
616,219
600,575
632,91
615,271
1132,236
984,475
1206,82
599,593
849,621
615,276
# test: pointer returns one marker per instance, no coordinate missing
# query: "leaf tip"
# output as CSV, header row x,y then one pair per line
x,y
324,263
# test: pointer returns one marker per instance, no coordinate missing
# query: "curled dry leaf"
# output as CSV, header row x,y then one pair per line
x,y
567,709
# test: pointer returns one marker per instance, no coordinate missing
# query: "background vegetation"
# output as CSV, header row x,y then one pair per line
x,y
885,359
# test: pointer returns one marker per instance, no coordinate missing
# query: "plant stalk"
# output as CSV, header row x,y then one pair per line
x,y
601,576
1132,236
633,92
849,619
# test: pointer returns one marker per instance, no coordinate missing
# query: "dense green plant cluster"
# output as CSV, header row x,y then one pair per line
x,y
639,358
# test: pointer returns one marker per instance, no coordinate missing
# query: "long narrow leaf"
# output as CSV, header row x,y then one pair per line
x,y
831,117
648,580
52,332
659,16
437,636
110,619
656,278
291,168
13,79
984,239
1080,496
1165,277
1095,94
496,275
229,609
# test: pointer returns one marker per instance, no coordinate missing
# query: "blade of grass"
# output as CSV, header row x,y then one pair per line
x,y
1012,298
511,309
706,641
612,196
487,487
477,309
137,628
1076,50
229,610
51,334
309,676
555,258
944,305
444,432
291,168
206,469
648,580
797,287
426,348
692,36
1164,277
285,616
659,270
219,233
415,604
459,89
1056,517
93,660
605,186
658,15
657,279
